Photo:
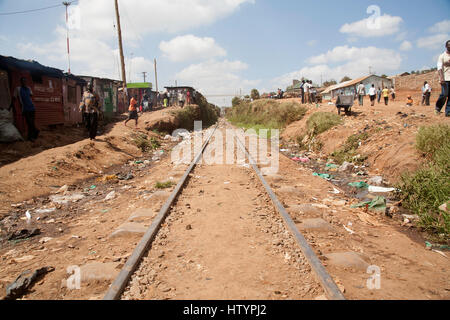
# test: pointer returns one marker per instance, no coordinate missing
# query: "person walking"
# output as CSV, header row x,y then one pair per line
x,y
386,96
132,111
372,95
361,91
90,106
443,66
188,98
379,94
426,93
24,95
393,93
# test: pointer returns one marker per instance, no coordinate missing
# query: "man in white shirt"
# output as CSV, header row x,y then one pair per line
x,y
372,95
361,91
443,66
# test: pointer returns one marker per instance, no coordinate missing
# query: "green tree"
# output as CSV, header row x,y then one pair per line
x,y
255,94
329,83
384,76
236,101
346,79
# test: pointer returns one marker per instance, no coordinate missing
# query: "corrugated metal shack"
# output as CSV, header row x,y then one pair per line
x,y
46,84
108,91
349,87
73,87
140,89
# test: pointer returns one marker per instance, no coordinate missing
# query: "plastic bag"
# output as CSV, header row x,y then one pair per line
x,y
8,132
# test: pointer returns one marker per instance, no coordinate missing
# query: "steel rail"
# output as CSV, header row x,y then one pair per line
x,y
117,287
331,289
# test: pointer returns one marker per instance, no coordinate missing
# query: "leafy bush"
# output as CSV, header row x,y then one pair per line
x,y
255,94
320,122
429,187
142,142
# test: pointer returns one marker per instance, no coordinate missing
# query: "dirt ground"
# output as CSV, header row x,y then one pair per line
x,y
392,131
223,232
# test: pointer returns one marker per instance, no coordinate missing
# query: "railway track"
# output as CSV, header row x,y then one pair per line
x,y
142,262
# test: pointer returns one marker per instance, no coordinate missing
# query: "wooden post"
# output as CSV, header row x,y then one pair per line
x,y
122,60
156,77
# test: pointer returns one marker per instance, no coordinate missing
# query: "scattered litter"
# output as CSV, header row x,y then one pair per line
x,y
93,187
41,211
105,210
365,217
377,204
444,207
302,160
63,189
331,165
335,191
227,182
440,252
323,175
24,234
45,240
110,196
245,165
28,215
24,281
431,246
64,200
346,167
127,177
284,150
108,178
380,189
359,185
376,181
349,230
139,162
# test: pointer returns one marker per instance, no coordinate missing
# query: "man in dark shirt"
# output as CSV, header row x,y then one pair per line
x,y
24,94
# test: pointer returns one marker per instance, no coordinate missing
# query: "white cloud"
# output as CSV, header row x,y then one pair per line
x,y
441,27
153,16
190,47
433,42
94,42
382,26
354,62
217,78
354,54
406,46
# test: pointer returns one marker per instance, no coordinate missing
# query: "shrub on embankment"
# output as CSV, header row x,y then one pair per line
x,y
317,123
429,187
201,111
265,114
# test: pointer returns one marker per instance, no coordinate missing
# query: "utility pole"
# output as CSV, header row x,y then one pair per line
x,y
67,4
156,76
122,61
144,73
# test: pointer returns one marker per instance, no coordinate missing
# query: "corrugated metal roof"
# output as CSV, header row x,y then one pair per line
x,y
347,84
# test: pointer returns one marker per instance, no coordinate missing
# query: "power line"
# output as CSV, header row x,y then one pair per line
x,y
33,10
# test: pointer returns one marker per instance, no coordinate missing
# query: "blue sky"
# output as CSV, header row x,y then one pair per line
x,y
223,46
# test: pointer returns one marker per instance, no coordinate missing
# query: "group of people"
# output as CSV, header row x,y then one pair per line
x,y
180,98
375,94
308,92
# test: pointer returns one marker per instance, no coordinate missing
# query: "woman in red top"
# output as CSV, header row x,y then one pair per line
x,y
133,111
